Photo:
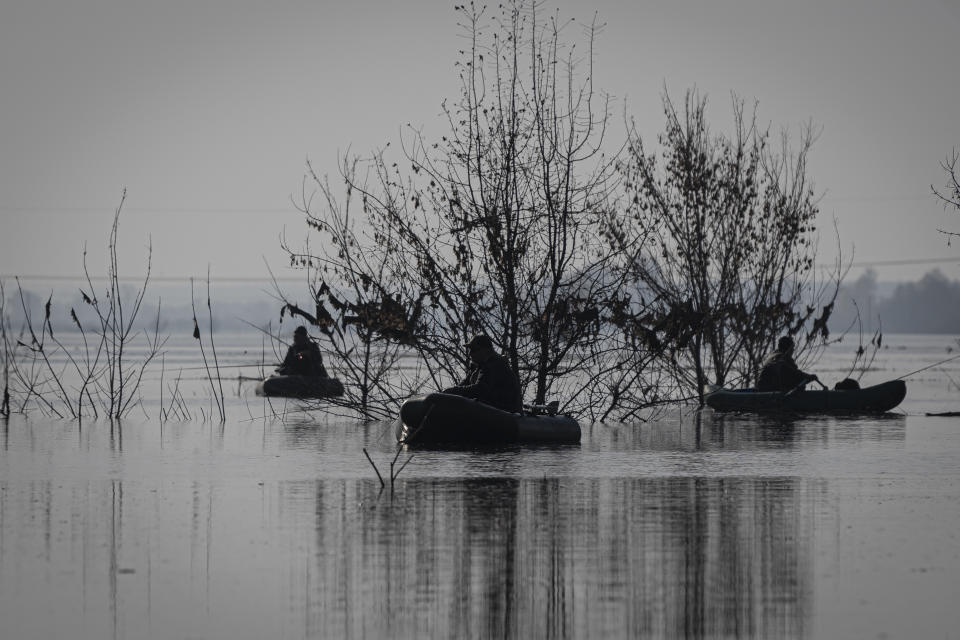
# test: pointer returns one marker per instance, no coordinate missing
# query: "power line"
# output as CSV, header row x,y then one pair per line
x,y
155,279
149,210
881,198
834,197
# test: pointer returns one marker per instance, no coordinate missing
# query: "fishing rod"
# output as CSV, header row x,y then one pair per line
x,y
929,366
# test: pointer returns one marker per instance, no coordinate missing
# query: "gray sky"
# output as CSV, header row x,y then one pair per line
x,y
205,110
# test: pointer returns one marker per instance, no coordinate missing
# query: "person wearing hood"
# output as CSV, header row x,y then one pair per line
x,y
490,379
779,372
303,357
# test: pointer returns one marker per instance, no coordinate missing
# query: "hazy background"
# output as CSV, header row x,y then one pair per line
x,y
206,111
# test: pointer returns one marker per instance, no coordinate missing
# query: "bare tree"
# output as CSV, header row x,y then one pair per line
x,y
365,316
731,264
41,371
117,316
496,227
949,194
6,352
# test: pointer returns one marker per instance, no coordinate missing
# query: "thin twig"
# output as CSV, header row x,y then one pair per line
x,y
377,471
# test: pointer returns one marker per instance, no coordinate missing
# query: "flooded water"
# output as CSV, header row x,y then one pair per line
x,y
697,525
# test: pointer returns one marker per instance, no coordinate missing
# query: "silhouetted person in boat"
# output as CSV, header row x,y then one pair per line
x,y
303,357
779,372
490,378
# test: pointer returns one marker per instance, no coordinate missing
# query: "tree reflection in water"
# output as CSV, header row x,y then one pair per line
x,y
729,526
527,558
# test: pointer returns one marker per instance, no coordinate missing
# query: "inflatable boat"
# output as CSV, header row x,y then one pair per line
x,y
876,399
447,418
300,387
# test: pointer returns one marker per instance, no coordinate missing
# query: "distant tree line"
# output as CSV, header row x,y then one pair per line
x,y
614,274
928,305
229,314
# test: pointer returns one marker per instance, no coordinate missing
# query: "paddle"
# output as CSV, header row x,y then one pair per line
x,y
800,386
792,392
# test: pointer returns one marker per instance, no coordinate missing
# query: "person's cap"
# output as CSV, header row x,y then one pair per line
x,y
784,343
301,330
481,341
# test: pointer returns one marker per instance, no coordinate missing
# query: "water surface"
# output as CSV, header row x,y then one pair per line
x,y
697,525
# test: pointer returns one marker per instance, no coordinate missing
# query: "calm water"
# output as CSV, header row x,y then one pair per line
x,y
693,526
